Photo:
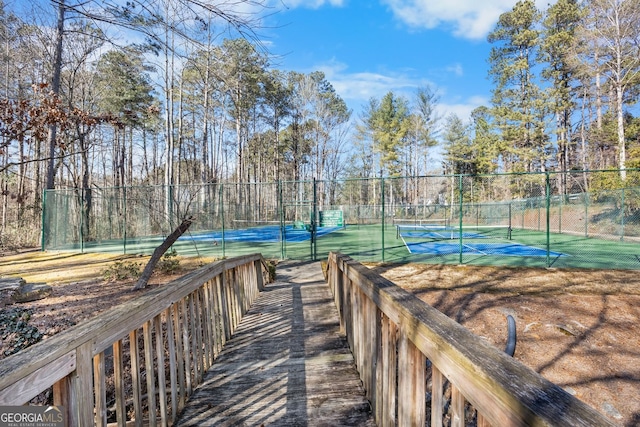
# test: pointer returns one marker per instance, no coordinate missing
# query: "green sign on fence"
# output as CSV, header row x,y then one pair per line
x,y
333,218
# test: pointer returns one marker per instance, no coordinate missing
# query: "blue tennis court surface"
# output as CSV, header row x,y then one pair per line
x,y
268,234
505,249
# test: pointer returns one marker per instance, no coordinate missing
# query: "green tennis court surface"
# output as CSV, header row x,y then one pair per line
x,y
376,243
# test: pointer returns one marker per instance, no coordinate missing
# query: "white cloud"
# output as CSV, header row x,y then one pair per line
x,y
310,4
456,69
462,109
471,19
357,88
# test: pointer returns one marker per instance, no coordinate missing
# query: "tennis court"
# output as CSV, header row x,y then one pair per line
x,y
443,239
265,234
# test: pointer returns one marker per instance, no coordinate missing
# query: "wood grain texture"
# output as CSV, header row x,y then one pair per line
x,y
287,363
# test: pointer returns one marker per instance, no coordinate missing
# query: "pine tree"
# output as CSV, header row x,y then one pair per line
x,y
517,101
558,38
389,124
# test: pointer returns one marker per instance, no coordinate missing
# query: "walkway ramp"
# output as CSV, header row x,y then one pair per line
x,y
286,365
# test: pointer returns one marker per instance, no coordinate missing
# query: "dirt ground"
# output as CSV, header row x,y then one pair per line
x,y
578,328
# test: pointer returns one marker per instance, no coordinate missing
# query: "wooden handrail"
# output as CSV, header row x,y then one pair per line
x,y
188,320
392,334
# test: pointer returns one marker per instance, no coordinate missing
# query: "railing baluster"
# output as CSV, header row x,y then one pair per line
x,y
437,396
118,373
180,395
162,383
411,383
457,407
100,389
135,377
149,371
171,348
389,362
186,347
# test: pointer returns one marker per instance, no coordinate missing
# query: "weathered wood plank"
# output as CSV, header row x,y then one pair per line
x,y
82,384
411,383
457,408
287,364
134,354
148,362
118,373
100,388
173,368
162,383
32,384
437,396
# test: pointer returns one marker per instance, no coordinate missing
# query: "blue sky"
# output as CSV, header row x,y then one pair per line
x,y
367,49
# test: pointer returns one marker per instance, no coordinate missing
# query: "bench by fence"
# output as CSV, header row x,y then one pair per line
x,y
400,345
182,325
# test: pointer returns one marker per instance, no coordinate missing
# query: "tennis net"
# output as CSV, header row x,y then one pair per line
x,y
419,222
432,232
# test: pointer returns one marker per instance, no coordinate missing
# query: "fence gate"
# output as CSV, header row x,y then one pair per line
x,y
299,213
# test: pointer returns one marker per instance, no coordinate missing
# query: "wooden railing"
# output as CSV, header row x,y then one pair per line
x,y
106,369
406,350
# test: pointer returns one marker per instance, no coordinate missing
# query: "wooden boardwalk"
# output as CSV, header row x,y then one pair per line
x,y
286,365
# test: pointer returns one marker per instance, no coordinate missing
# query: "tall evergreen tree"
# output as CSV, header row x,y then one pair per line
x,y
558,38
459,150
517,101
389,122
487,146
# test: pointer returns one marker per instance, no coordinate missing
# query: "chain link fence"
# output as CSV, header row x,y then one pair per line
x,y
570,220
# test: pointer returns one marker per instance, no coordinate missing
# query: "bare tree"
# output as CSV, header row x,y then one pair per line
x,y
612,26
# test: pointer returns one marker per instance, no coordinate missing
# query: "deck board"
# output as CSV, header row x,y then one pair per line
x,y
286,365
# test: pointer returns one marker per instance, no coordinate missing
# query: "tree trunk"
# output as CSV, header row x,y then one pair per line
x,y
160,250
55,89
622,156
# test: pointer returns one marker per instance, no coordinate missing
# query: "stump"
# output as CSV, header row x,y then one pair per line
x,y
17,290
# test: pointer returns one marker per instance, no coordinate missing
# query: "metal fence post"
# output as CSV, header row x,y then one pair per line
x,y
124,220
586,214
383,222
622,215
283,234
548,197
460,194
43,221
222,218
314,220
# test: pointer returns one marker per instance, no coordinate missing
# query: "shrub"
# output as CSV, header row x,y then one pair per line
x,y
121,271
169,263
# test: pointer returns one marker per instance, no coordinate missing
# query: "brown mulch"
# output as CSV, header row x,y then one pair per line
x,y
578,328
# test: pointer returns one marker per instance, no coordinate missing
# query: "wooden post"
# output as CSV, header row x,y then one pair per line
x,y
83,385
